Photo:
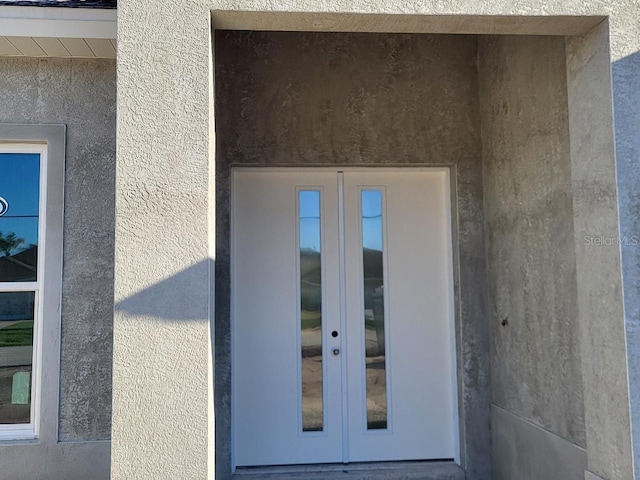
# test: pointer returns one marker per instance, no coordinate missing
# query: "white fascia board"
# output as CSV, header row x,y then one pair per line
x,y
57,22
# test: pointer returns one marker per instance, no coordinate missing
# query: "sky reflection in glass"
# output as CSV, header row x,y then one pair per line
x,y
310,220
20,187
372,219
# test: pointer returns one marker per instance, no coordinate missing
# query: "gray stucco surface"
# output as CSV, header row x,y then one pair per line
x,y
591,476
80,94
627,112
571,393
168,208
535,357
359,99
598,267
331,98
550,194
165,85
524,451
68,461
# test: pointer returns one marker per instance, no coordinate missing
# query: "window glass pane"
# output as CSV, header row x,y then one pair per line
x,y
311,310
20,182
16,353
373,272
19,209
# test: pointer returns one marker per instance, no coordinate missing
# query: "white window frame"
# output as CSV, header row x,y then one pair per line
x,y
30,430
48,142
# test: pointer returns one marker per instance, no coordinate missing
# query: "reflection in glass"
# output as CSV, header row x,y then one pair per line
x,y
16,353
311,309
18,258
373,272
20,187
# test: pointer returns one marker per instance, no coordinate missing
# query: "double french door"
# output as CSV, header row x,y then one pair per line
x,y
342,316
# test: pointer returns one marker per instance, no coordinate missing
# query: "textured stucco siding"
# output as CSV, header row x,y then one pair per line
x,y
339,99
361,99
529,219
626,72
163,289
165,116
80,94
525,451
535,356
598,267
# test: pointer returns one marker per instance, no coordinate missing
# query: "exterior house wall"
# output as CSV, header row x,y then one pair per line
x,y
626,89
81,95
295,90
598,270
543,171
165,86
345,99
166,151
535,356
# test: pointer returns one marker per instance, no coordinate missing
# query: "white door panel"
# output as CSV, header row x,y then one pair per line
x,y
411,353
266,328
419,343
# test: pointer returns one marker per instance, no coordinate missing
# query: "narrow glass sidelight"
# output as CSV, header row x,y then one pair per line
x,y
311,309
374,308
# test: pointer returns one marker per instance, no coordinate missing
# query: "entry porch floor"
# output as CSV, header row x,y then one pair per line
x,y
356,471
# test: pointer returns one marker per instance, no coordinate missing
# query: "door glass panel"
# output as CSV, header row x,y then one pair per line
x,y
19,210
16,353
373,272
311,310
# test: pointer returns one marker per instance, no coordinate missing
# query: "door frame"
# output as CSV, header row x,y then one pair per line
x,y
453,260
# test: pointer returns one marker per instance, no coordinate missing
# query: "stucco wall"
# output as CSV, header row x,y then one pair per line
x,y
339,98
535,356
80,94
627,113
165,86
361,99
168,241
598,266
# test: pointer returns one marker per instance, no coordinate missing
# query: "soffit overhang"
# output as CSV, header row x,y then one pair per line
x,y
55,32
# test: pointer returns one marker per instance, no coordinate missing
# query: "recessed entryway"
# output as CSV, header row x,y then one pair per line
x,y
376,103
343,321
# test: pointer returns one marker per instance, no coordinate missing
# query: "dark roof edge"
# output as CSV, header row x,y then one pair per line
x,y
106,4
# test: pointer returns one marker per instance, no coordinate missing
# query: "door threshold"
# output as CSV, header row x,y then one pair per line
x,y
410,470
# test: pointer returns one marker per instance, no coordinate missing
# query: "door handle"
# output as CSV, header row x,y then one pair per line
x,y
335,351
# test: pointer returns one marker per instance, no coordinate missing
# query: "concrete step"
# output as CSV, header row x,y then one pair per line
x,y
356,471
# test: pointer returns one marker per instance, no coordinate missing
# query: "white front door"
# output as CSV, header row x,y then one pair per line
x,y
342,316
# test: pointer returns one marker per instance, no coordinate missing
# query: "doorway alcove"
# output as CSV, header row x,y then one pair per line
x,y
500,112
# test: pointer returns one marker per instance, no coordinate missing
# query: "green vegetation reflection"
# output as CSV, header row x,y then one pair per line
x,y
16,356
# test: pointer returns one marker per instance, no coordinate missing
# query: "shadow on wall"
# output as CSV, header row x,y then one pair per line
x,y
176,298
626,90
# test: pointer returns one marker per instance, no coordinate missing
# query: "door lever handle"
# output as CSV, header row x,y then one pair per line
x,y
335,351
